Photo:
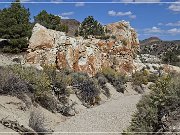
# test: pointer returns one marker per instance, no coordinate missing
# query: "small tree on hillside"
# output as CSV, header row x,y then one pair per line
x,y
50,21
15,26
90,26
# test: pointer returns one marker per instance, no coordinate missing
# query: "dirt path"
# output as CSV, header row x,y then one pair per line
x,y
112,116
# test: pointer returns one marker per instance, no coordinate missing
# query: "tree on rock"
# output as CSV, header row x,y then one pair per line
x,y
90,26
15,26
50,21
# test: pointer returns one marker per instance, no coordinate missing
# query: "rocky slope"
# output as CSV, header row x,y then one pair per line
x,y
87,55
156,46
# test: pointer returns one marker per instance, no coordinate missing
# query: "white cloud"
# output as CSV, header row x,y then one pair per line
x,y
114,13
173,23
63,17
153,30
174,31
67,13
132,16
123,13
80,4
175,7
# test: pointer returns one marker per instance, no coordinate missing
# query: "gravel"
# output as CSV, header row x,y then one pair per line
x,y
111,117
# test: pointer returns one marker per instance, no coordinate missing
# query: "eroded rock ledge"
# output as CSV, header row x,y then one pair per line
x,y
90,55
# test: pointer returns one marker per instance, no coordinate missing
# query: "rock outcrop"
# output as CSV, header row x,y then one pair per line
x,y
90,55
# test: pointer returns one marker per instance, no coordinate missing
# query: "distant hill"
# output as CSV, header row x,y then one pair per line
x,y
72,25
169,51
156,46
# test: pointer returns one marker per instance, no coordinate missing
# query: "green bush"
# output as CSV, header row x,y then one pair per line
x,y
115,78
163,99
171,57
152,78
87,89
38,79
78,77
89,92
102,81
11,84
48,101
140,77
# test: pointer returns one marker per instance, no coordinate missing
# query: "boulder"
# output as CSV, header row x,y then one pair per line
x,y
50,47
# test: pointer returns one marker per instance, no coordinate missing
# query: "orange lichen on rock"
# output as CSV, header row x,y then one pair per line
x,y
85,55
61,60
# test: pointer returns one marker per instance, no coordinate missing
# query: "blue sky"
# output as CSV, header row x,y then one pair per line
x,y
149,19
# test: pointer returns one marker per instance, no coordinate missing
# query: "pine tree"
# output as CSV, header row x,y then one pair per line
x,y
50,21
90,26
15,26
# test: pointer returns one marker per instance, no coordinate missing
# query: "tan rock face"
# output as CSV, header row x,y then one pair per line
x,y
87,55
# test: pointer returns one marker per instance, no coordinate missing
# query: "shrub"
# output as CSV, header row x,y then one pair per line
x,y
139,78
88,92
163,99
3,77
102,81
36,122
109,73
38,79
152,78
171,57
14,86
67,109
78,77
115,78
47,101
119,84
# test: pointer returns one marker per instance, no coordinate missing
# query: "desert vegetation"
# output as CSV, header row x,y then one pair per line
x,y
158,111
48,88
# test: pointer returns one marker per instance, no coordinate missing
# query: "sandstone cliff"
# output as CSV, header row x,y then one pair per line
x,y
87,55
